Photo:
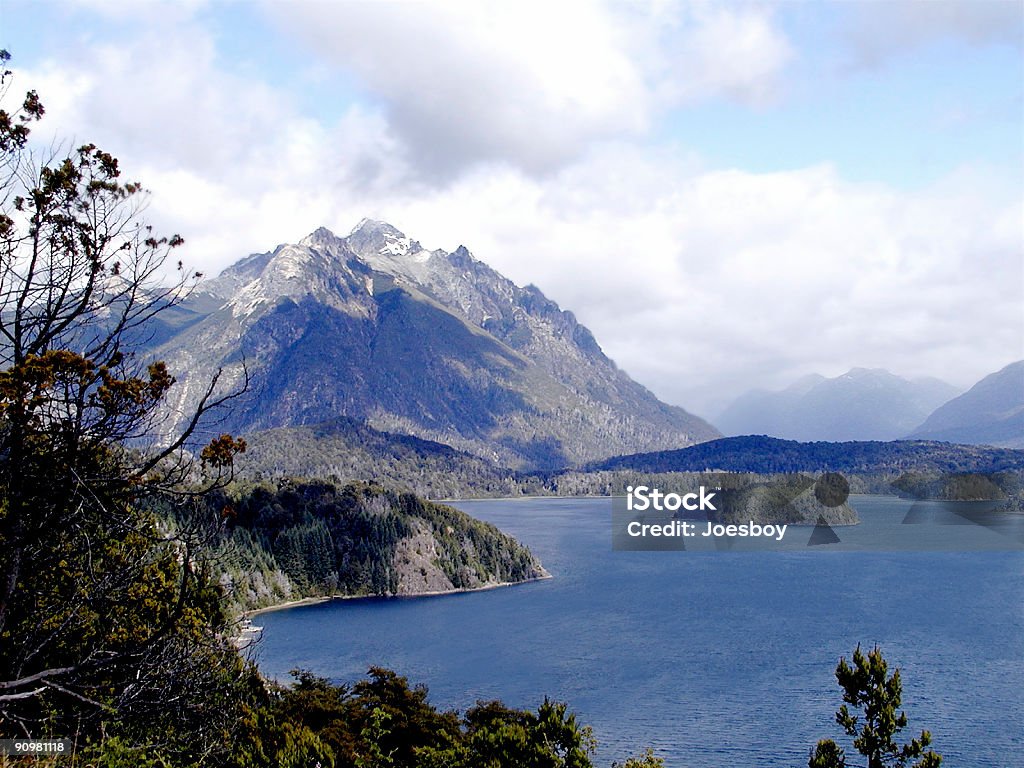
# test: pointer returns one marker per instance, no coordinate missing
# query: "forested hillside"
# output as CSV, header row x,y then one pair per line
x,y
757,453
296,539
346,450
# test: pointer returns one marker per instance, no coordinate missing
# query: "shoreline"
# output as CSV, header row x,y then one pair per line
x,y
435,593
527,497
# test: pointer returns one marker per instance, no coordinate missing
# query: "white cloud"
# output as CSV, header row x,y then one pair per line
x,y
173,108
881,30
722,50
533,84
232,164
463,81
700,282
706,283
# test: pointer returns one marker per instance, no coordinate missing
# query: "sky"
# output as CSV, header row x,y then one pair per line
x,y
730,195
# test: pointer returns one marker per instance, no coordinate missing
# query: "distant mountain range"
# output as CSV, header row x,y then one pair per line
x,y
873,404
989,413
433,344
863,404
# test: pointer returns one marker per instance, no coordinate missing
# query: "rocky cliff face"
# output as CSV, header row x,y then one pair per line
x,y
428,343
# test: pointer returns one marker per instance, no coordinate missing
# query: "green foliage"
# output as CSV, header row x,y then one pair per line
x,y
373,736
269,738
496,736
114,752
827,754
961,486
383,722
876,696
111,627
380,721
310,538
306,553
411,721
646,760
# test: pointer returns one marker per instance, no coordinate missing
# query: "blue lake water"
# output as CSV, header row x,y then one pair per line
x,y
712,658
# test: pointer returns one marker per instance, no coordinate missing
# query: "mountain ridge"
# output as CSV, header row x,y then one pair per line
x,y
861,404
433,344
989,413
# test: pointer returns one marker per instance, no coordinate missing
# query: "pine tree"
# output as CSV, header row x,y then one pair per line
x,y
868,687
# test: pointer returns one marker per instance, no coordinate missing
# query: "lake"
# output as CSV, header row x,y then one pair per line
x,y
714,658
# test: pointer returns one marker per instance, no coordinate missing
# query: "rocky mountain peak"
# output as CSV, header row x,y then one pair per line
x,y
370,227
462,258
370,238
868,373
321,237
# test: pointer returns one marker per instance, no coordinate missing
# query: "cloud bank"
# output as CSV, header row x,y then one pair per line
x,y
541,137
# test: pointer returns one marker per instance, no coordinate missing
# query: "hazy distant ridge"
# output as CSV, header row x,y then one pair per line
x,y
989,413
862,404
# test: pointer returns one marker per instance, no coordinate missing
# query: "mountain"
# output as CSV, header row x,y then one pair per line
x,y
426,343
989,413
863,404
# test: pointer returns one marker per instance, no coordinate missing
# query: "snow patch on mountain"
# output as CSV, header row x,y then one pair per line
x,y
396,246
248,300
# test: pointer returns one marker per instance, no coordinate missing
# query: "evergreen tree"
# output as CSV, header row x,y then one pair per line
x,y
868,687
